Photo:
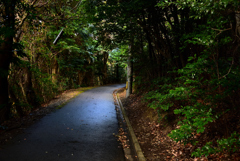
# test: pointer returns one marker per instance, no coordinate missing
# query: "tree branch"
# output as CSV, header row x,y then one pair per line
x,y
220,31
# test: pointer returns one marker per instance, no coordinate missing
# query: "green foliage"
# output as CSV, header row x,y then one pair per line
x,y
195,119
120,55
199,97
230,144
202,7
207,80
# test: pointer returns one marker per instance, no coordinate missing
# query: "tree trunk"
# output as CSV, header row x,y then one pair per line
x,y
129,72
117,73
81,75
6,54
237,16
14,98
4,98
31,95
88,80
54,70
105,59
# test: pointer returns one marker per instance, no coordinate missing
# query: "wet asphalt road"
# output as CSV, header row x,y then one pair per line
x,y
81,131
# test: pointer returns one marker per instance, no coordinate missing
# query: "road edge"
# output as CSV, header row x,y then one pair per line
x,y
133,138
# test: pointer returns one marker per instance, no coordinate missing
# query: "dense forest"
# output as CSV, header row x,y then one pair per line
x,y
183,55
34,68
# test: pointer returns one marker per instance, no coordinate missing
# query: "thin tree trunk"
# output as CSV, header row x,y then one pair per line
x,y
54,70
81,75
129,72
17,103
117,73
105,59
31,95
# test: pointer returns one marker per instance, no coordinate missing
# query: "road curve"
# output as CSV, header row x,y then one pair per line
x,y
81,131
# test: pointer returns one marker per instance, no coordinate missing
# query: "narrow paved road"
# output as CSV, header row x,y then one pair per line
x,y
81,131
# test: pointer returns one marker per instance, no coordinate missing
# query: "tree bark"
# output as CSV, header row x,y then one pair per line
x,y
117,73
54,70
129,72
105,59
17,103
30,93
6,54
81,75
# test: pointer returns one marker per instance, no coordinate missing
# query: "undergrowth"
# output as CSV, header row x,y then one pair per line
x,y
202,101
